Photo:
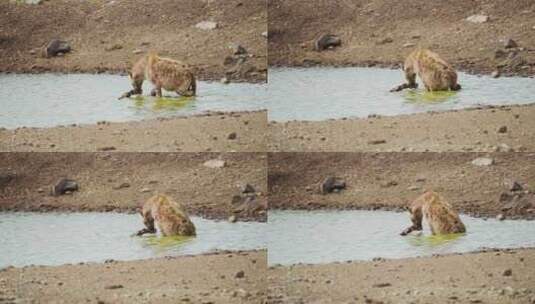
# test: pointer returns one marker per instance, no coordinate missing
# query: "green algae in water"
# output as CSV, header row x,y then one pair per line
x,y
433,240
164,103
425,97
165,242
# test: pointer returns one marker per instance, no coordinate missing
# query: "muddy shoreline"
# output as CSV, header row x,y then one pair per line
x,y
104,37
484,279
208,132
389,181
162,280
121,182
472,129
381,33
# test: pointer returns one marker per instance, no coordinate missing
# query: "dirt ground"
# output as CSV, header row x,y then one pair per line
x,y
108,36
450,131
383,33
209,278
123,181
434,279
200,133
391,180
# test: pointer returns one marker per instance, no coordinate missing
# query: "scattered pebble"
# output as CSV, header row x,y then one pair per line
x,y
232,136
483,161
214,163
502,129
207,25
478,18
240,274
507,272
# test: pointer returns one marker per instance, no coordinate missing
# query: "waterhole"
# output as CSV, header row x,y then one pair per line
x,y
47,100
330,236
56,238
324,93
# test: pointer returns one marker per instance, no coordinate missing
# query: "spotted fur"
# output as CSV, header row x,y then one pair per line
x,y
440,215
170,216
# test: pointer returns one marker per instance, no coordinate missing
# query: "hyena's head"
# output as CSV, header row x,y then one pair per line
x,y
137,82
186,227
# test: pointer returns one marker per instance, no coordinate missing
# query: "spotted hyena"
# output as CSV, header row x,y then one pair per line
x,y
170,216
440,215
435,72
169,74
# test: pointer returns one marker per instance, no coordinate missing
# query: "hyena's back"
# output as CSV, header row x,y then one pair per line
x,y
440,215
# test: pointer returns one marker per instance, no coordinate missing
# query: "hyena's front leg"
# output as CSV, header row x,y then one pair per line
x,y
148,220
411,83
157,91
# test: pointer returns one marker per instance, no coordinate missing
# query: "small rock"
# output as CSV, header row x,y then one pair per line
x,y
502,129
144,190
238,49
377,142
385,41
240,274
225,80
500,217
207,25
408,45
137,51
265,34
509,43
381,285
507,272
116,286
503,148
478,18
327,41
414,188
232,219
214,163
63,186
330,184
514,186
107,148
495,74
247,188
482,161
113,47
121,186
232,136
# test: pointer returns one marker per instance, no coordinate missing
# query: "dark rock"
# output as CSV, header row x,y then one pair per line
x,y
115,286
509,43
514,186
377,142
507,272
502,129
56,46
381,285
240,274
330,184
64,185
326,41
232,135
238,49
121,186
247,188
6,178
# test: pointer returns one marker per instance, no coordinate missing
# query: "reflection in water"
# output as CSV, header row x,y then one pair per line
x,y
323,93
60,238
62,99
329,236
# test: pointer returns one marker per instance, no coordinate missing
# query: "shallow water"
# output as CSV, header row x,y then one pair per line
x,y
329,236
45,100
323,93
56,238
